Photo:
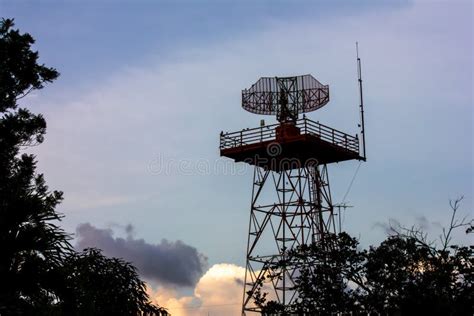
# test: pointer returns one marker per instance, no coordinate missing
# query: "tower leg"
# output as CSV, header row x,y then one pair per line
x,y
288,209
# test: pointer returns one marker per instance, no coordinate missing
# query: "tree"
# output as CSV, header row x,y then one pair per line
x,y
97,285
32,244
404,275
40,273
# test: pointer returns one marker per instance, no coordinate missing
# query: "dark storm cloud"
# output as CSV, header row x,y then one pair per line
x,y
173,263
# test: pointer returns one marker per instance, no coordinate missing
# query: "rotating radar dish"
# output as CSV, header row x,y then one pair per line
x,y
285,96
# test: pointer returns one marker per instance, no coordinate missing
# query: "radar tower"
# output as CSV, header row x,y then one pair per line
x,y
291,201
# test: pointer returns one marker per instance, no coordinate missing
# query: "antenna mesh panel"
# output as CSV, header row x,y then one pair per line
x,y
304,93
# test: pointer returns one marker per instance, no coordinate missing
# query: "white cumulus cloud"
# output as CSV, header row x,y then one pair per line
x,y
218,292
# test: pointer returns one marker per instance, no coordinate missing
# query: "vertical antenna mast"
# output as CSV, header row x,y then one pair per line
x,y
361,105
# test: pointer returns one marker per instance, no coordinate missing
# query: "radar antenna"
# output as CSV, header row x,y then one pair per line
x,y
285,96
291,203
361,105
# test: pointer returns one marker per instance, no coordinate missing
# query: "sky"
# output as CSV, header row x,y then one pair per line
x,y
147,86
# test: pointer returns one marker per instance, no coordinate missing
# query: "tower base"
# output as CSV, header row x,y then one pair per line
x,y
289,208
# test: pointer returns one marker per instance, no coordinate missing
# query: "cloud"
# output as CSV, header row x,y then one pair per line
x,y
170,263
218,292
387,227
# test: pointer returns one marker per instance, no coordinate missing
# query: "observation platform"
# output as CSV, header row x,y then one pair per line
x,y
285,146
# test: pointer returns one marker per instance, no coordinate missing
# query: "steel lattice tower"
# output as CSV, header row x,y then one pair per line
x,y
291,199
301,214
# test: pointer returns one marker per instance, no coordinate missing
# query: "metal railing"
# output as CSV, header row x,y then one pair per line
x,y
307,127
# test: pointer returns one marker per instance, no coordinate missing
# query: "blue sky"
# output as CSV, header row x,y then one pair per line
x,y
150,83
72,34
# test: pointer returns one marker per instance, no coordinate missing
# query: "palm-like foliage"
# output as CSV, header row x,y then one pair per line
x,y
97,285
40,274
31,244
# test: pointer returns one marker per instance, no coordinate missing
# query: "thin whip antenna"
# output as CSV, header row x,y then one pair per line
x,y
361,105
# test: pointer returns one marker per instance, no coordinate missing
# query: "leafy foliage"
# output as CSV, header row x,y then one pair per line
x,y
404,275
97,285
32,245
20,72
40,274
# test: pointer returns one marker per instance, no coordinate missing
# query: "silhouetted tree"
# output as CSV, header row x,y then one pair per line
x,y
97,285
31,244
404,275
40,274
